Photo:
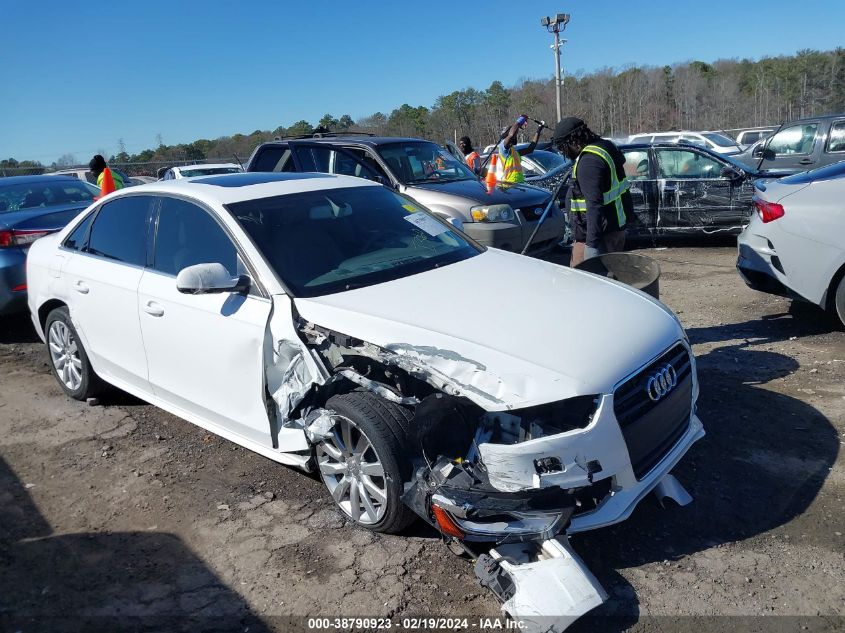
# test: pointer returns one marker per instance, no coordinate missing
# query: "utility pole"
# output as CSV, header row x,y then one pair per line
x,y
555,24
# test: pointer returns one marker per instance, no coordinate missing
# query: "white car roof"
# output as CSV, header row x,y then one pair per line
x,y
229,188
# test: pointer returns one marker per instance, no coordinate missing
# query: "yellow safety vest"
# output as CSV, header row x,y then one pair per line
x,y
118,180
612,195
509,166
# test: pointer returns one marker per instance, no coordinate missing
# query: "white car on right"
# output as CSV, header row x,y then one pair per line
x,y
192,171
714,141
795,243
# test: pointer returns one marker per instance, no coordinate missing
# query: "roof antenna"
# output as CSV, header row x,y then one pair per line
x,y
239,162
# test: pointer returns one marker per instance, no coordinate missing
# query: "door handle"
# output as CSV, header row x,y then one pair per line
x,y
154,309
805,161
81,287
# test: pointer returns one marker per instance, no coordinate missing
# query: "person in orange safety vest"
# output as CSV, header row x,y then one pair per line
x,y
470,155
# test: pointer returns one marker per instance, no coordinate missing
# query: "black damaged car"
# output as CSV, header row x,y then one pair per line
x,y
687,189
684,189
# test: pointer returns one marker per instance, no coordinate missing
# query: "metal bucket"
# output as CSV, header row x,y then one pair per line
x,y
639,271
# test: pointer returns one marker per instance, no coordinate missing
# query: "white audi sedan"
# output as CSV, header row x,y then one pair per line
x,y
795,244
330,323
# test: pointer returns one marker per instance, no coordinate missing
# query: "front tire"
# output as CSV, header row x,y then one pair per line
x,y
364,463
68,359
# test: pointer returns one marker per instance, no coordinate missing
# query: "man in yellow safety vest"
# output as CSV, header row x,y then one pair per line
x,y
509,165
598,199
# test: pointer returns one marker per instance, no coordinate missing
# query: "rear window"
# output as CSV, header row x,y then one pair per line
x,y
42,194
828,172
720,139
274,159
207,171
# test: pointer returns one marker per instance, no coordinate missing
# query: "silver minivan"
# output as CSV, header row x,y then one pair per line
x,y
502,218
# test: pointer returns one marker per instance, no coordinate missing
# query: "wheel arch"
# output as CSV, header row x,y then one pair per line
x,y
829,301
46,308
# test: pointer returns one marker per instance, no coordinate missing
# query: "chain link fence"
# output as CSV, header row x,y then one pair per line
x,y
152,169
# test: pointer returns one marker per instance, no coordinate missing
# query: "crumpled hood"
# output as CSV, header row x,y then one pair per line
x,y
508,331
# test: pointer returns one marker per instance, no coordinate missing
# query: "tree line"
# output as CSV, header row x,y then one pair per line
x,y
721,95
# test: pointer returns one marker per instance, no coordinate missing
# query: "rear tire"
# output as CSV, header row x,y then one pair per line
x,y
68,359
364,461
839,301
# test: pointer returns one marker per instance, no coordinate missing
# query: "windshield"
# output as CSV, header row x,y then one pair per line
x,y
548,160
208,171
44,194
322,242
418,162
719,139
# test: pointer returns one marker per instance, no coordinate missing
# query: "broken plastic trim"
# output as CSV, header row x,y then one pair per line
x,y
482,512
545,586
319,424
378,388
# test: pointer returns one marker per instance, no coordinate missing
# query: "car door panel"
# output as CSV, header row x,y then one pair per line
x,y
103,303
205,353
693,193
102,289
794,148
640,176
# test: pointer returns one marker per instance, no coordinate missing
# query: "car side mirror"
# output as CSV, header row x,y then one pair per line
x,y
730,173
202,279
765,152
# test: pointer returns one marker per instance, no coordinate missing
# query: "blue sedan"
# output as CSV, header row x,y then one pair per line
x,y
32,207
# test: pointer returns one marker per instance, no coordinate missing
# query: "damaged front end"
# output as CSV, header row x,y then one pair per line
x,y
510,484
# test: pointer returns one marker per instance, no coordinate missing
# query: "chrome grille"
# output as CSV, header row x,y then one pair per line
x,y
651,428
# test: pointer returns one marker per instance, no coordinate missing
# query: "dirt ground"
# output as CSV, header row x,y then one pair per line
x,y
120,516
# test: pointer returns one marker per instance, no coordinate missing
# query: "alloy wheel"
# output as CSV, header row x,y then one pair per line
x,y
64,354
353,472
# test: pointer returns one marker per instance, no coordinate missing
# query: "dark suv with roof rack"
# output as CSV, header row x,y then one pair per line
x,y
424,171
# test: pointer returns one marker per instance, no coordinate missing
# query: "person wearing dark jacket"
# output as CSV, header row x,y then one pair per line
x,y
598,200
98,167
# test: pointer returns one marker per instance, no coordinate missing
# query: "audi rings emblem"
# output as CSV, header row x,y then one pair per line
x,y
661,383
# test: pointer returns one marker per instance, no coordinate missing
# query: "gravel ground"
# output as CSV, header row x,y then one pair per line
x,y
120,516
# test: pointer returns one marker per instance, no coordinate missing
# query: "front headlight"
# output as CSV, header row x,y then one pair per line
x,y
492,213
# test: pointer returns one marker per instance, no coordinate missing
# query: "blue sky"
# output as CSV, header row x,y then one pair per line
x,y
78,76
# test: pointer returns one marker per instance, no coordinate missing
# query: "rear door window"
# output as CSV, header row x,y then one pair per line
x,y
119,232
331,160
76,240
636,164
836,142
